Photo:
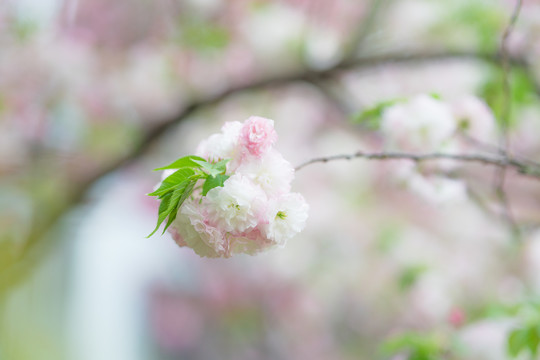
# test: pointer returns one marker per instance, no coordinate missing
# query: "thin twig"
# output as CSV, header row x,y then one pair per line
x,y
497,161
495,149
505,65
500,175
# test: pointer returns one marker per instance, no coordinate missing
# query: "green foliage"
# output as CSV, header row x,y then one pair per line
x,y
24,29
203,36
184,162
179,186
371,116
410,276
162,213
523,340
416,346
213,169
523,93
478,20
174,190
484,19
173,181
212,182
387,237
526,337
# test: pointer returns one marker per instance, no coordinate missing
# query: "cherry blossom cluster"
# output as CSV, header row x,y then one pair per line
x,y
427,124
252,207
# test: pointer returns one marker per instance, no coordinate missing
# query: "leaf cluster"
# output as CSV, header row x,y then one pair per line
x,y
371,117
179,186
526,337
523,93
416,346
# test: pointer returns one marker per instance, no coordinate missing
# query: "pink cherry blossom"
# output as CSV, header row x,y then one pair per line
x,y
257,135
254,210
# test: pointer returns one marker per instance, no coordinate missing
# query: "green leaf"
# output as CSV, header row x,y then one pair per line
x,y
517,342
533,340
174,197
214,169
177,187
387,237
162,212
187,192
410,276
371,117
173,180
203,35
179,196
416,346
476,20
523,94
221,166
212,182
184,162
170,219
174,203
204,164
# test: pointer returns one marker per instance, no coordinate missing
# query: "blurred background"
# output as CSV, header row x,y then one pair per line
x,y
94,94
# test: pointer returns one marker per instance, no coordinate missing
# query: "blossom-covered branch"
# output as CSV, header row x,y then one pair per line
x,y
23,262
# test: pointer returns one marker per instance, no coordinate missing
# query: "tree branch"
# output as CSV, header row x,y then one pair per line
x,y
505,65
497,161
505,121
495,149
24,260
